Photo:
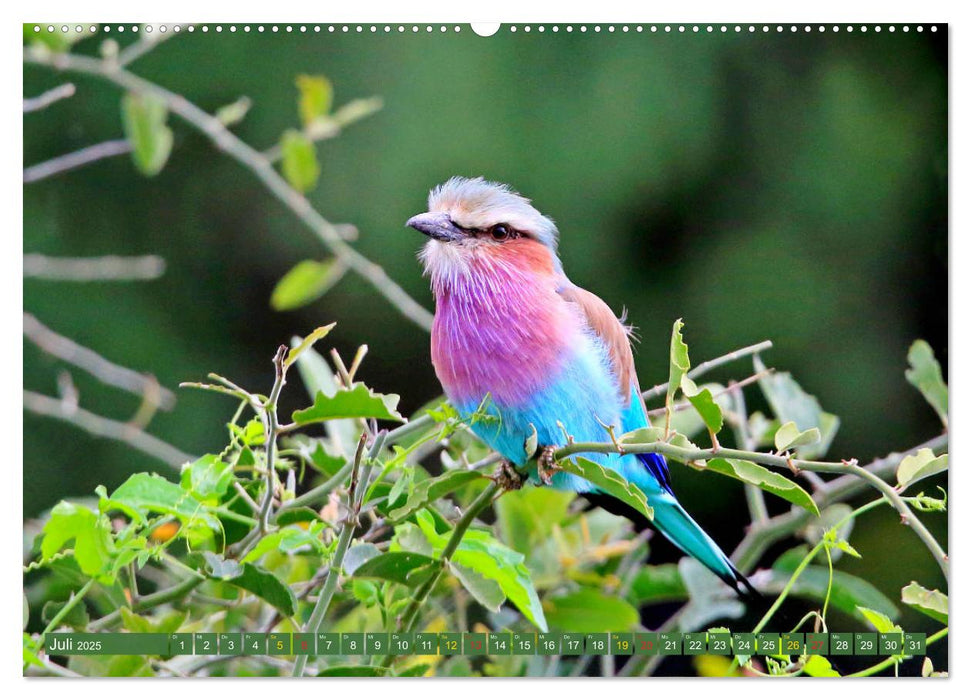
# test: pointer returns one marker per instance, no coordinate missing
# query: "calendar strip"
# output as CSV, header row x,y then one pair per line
x,y
489,644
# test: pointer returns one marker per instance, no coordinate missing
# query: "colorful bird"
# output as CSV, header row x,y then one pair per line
x,y
515,339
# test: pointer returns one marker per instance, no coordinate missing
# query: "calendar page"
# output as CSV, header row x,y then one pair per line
x,y
544,349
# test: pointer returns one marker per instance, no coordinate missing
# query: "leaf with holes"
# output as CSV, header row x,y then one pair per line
x,y
931,603
757,475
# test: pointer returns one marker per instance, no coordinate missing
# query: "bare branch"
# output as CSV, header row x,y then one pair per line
x,y
75,159
252,160
46,99
107,372
100,426
114,268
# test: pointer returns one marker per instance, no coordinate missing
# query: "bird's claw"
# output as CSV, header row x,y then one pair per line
x,y
507,477
546,465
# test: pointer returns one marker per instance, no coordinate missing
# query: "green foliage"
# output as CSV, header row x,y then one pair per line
x,y
757,475
400,542
356,402
925,374
931,603
300,166
143,118
316,97
590,610
306,282
610,482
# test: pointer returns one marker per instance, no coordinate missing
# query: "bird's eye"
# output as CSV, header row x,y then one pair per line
x,y
500,232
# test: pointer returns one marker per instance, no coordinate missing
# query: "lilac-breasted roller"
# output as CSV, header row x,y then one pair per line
x,y
513,336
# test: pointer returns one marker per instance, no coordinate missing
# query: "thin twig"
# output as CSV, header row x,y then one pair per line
x,y
76,159
255,162
358,487
410,615
762,536
331,126
46,99
107,268
689,455
107,372
661,389
107,428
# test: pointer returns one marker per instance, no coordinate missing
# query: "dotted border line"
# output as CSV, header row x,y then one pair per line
x,y
415,28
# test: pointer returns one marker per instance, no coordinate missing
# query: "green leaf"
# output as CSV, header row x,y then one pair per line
x,y
208,478
489,557
774,483
289,540
316,97
657,584
267,586
234,112
308,342
356,402
143,120
318,376
790,403
429,490
527,517
704,403
306,282
589,610
300,166
486,591
788,436
610,482
324,462
880,622
532,441
91,533
77,617
222,568
919,466
358,555
393,566
931,603
142,494
679,364
819,667
925,374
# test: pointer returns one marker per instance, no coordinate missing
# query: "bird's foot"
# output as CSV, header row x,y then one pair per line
x,y
507,477
546,465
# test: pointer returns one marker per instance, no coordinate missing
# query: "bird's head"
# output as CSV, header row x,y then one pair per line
x,y
474,221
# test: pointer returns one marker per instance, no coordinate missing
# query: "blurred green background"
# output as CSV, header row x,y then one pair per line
x,y
782,186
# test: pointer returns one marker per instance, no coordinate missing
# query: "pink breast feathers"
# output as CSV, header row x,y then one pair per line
x,y
501,328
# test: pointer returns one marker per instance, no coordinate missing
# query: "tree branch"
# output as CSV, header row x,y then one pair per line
x,y
107,428
76,159
254,161
46,99
113,268
143,385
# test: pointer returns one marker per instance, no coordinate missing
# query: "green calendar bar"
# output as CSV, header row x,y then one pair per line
x,y
378,644
116,644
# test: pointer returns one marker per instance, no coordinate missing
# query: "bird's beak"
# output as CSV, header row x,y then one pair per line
x,y
437,225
